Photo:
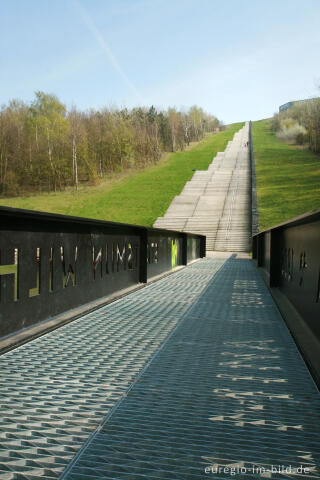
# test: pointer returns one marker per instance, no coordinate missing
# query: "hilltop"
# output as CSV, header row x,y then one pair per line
x,y
288,179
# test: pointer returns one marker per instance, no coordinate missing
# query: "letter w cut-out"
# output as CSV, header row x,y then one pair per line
x,y
121,257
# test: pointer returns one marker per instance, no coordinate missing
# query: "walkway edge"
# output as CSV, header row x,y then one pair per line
x,y
306,342
31,333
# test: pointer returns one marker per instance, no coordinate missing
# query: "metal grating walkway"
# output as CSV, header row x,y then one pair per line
x,y
55,390
227,388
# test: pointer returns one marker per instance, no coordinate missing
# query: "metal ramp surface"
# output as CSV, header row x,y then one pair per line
x,y
190,375
55,390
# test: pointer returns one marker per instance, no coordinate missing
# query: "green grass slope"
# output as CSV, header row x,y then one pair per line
x,y
140,197
288,178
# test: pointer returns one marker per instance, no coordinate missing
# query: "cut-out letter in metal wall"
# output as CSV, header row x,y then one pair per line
x,y
36,289
121,255
97,262
70,272
174,253
11,269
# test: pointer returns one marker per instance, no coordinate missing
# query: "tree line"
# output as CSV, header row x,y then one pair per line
x,y
45,147
300,124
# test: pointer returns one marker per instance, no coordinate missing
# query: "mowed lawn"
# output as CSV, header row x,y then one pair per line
x,y
141,196
288,178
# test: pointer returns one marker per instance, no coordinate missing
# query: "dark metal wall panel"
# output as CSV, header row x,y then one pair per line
x,y
70,270
164,253
52,263
298,269
289,259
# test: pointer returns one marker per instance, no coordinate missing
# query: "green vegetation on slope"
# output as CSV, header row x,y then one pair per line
x,y
139,199
288,177
44,147
300,123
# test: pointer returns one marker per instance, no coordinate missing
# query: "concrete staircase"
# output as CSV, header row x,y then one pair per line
x,y
217,202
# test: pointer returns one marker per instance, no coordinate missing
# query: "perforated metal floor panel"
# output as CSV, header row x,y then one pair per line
x,y
56,390
228,396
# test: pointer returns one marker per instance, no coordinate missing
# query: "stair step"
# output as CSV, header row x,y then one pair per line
x,y
217,202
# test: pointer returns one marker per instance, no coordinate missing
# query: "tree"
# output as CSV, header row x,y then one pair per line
x,y
51,130
44,146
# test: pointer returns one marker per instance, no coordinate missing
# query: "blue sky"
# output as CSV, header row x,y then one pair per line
x,y
238,60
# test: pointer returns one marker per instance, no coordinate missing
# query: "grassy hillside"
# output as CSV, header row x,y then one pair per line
x,y
288,178
138,198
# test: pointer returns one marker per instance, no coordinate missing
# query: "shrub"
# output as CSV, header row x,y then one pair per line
x,y
292,132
